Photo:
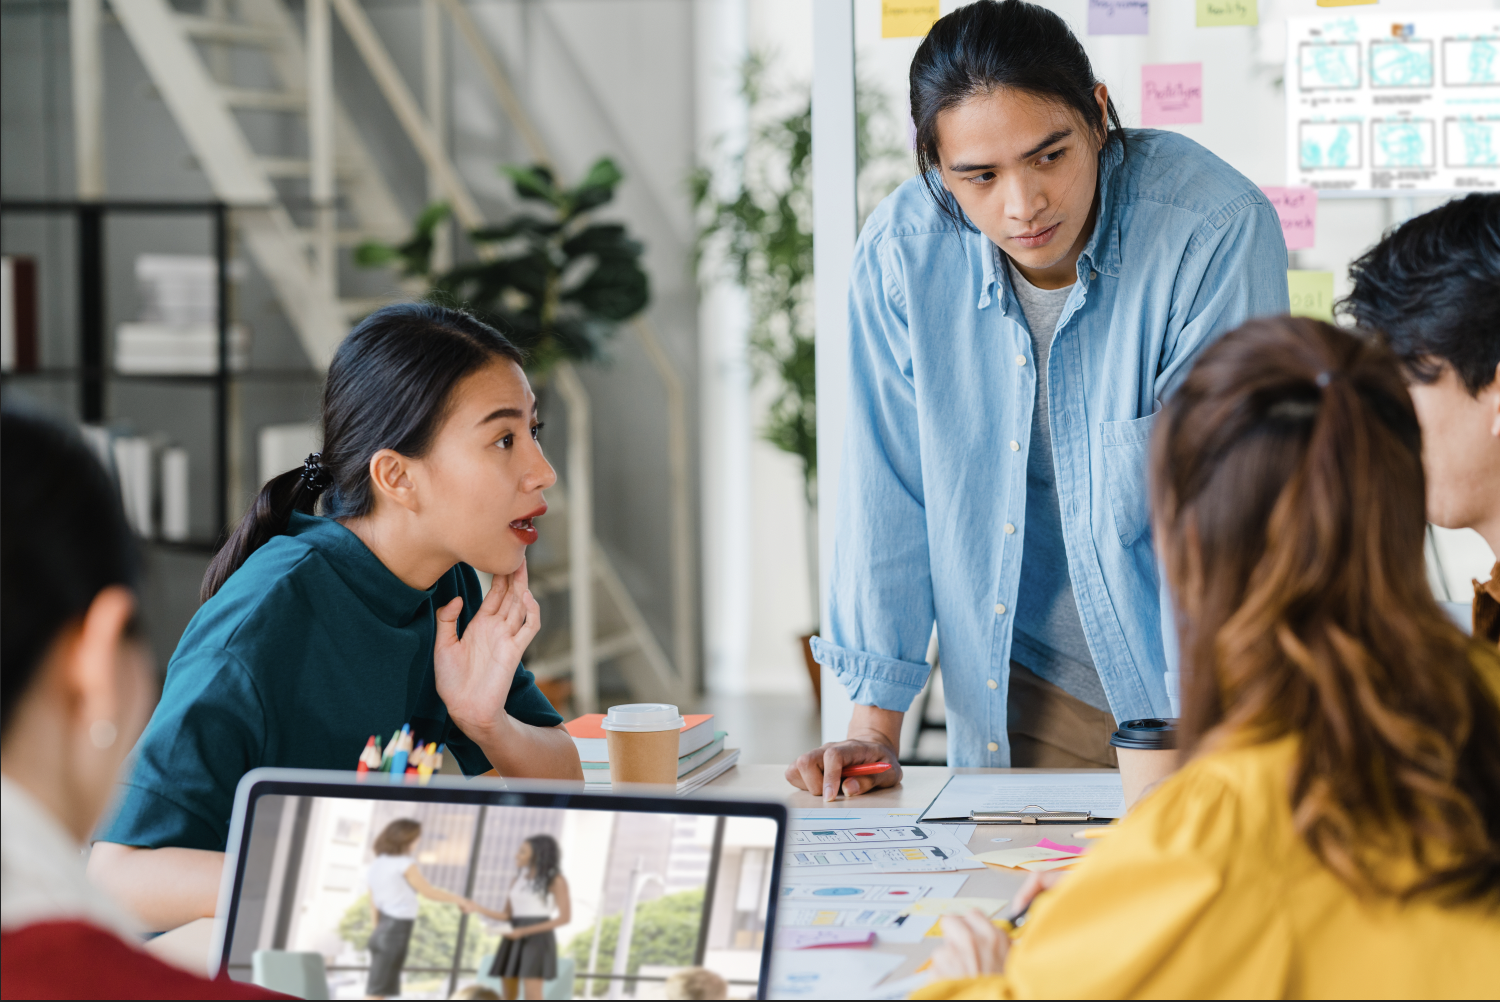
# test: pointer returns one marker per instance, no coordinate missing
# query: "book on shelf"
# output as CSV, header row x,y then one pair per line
x,y
715,767
588,734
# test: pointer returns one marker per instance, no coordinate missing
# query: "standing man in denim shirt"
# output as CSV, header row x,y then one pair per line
x,y
1017,313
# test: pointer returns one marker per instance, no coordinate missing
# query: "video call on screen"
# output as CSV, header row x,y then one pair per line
x,y
698,886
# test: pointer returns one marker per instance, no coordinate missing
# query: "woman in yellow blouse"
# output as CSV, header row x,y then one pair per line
x,y
1335,832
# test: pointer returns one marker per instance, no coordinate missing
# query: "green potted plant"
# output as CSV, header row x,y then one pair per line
x,y
555,281
763,229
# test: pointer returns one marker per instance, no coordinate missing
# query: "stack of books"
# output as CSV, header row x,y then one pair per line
x,y
701,753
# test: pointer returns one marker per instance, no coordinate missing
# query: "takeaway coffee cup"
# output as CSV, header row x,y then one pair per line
x,y
643,740
1147,750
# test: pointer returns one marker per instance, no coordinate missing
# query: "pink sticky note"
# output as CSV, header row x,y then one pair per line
x,y
1047,843
1172,94
1119,17
815,939
1298,209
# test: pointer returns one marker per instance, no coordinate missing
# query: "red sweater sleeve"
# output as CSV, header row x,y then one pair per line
x,y
77,960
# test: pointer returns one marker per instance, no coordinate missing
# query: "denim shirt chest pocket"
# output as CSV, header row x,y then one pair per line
x,y
1127,449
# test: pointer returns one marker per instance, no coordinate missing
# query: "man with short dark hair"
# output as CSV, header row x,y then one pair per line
x,y
1431,291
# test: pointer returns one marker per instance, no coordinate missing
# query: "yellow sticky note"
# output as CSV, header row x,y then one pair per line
x,y
1042,865
1222,13
1346,3
906,18
1015,857
936,932
1312,294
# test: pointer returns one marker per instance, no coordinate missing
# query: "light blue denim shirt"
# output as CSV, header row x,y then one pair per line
x,y
932,495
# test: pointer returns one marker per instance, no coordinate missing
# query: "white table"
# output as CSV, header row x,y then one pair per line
x,y
189,945
919,785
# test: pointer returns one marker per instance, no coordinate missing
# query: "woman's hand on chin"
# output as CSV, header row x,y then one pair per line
x,y
474,674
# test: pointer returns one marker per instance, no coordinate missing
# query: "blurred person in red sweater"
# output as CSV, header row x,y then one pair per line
x,y
78,686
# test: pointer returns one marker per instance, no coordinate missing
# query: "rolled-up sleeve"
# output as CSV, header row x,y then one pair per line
x,y
880,606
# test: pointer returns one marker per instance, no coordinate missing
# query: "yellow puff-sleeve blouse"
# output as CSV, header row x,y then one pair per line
x,y
1206,891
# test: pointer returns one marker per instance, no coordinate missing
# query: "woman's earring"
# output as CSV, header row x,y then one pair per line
x,y
103,734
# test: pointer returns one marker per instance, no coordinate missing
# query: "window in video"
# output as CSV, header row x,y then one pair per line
x,y
407,900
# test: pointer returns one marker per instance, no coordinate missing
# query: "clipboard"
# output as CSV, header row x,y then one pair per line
x,y
1032,814
1095,796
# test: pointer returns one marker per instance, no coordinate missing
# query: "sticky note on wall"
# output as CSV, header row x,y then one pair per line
x,y
907,19
1224,13
1298,209
1119,17
1171,94
1312,294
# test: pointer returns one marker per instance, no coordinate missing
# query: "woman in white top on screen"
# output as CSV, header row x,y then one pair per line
x,y
395,882
528,949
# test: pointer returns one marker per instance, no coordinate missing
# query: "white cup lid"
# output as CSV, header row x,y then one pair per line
x,y
643,717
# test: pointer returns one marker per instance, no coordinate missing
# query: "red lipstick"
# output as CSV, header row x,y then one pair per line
x,y
525,528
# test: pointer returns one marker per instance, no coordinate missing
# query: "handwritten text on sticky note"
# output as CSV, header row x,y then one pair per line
x,y
1223,13
907,18
1171,94
1312,294
1119,17
1298,209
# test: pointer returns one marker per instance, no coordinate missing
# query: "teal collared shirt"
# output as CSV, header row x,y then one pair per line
x,y
931,521
308,649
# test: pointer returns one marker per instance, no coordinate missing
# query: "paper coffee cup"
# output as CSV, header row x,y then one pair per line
x,y
643,740
1147,751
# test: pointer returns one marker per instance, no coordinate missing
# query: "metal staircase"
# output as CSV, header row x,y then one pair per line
x,y
300,262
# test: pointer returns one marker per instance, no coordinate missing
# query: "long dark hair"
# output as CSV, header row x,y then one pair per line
x,y
1290,504
987,45
388,388
63,539
546,862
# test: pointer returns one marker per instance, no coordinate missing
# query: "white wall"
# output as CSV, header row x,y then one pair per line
x,y
1244,115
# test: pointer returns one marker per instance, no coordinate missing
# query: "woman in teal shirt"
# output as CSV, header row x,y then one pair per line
x,y
318,631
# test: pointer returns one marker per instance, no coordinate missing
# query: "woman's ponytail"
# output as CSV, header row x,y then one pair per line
x,y
294,490
388,388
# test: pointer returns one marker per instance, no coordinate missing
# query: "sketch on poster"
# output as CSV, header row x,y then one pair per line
x,y
1383,104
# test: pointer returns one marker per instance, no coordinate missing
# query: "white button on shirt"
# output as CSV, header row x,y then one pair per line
x,y
1015,446
1000,609
992,746
993,684
1020,359
1010,530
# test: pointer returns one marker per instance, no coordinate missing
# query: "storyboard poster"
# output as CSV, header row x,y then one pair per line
x,y
1383,103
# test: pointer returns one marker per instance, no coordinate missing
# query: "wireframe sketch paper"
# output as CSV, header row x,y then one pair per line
x,y
1404,101
1098,792
829,974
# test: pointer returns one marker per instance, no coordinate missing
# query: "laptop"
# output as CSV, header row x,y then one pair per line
x,y
655,884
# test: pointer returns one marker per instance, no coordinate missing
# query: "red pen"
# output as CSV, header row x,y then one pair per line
x,y
868,769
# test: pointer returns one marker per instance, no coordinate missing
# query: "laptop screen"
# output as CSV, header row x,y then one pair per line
x,y
417,892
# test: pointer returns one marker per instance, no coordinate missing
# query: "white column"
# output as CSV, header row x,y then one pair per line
x,y
320,141
835,220
726,432
434,98
88,97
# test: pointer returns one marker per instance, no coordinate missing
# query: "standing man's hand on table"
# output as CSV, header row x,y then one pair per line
x,y
874,736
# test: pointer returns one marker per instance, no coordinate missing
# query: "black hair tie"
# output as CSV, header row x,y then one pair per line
x,y
314,477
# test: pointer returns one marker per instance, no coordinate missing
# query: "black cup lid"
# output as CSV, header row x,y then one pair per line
x,y
1146,734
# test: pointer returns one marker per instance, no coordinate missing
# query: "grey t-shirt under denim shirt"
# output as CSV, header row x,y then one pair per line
x,y
1048,633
